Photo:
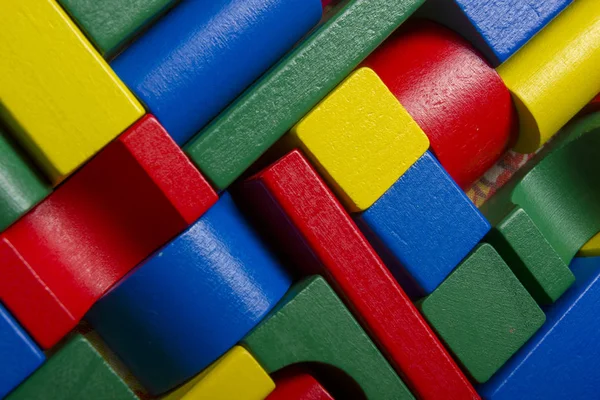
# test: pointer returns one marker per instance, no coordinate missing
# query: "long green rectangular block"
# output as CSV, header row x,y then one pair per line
x,y
268,109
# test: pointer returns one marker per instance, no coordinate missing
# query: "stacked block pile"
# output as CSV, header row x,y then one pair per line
x,y
299,199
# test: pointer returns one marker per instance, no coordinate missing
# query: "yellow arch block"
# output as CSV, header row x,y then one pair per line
x,y
591,248
236,375
60,97
361,139
555,74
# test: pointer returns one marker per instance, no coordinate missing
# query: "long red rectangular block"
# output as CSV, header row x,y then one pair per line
x,y
312,226
130,199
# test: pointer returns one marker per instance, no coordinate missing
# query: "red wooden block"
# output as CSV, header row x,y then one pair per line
x,y
301,386
592,106
313,227
455,96
62,256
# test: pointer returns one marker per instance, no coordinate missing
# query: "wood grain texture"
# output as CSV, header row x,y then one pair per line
x,y
200,56
458,100
311,324
423,226
246,129
110,24
60,97
531,257
75,371
192,301
483,313
235,375
497,28
21,186
301,386
360,138
62,256
561,360
308,222
19,355
555,74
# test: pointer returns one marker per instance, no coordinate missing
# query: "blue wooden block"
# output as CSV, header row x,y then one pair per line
x,y
562,360
192,300
201,55
19,355
423,226
497,28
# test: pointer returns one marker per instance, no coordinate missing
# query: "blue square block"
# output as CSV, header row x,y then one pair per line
x,y
423,226
19,355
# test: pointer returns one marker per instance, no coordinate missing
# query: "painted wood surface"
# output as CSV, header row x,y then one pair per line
x,y
200,56
423,226
310,225
246,129
301,386
454,95
61,99
483,313
556,74
62,256
192,300
311,324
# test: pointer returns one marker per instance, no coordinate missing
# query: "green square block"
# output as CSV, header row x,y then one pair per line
x,y
109,24
483,313
76,371
531,257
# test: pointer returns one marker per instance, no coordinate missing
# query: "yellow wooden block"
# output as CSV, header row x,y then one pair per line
x,y
62,99
555,74
361,139
236,375
591,248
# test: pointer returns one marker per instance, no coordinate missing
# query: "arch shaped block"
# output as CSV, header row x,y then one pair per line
x,y
192,300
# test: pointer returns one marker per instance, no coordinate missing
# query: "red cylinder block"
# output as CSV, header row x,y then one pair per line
x,y
456,97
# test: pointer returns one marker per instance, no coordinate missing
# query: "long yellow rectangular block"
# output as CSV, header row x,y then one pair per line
x,y
236,375
60,97
555,74
361,139
591,248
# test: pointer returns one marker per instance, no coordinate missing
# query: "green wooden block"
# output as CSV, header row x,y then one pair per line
x,y
77,371
21,187
109,24
482,312
269,108
531,258
311,324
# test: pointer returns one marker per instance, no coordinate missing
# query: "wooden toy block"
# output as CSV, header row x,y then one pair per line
x,y
311,324
561,360
236,375
591,248
192,300
60,97
458,100
75,371
300,386
361,139
423,226
497,28
109,24
483,313
556,74
531,258
312,227
246,129
200,56
21,187
61,257
19,355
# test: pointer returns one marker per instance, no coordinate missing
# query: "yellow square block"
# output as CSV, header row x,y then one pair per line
x,y
61,98
591,248
236,375
555,74
361,139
